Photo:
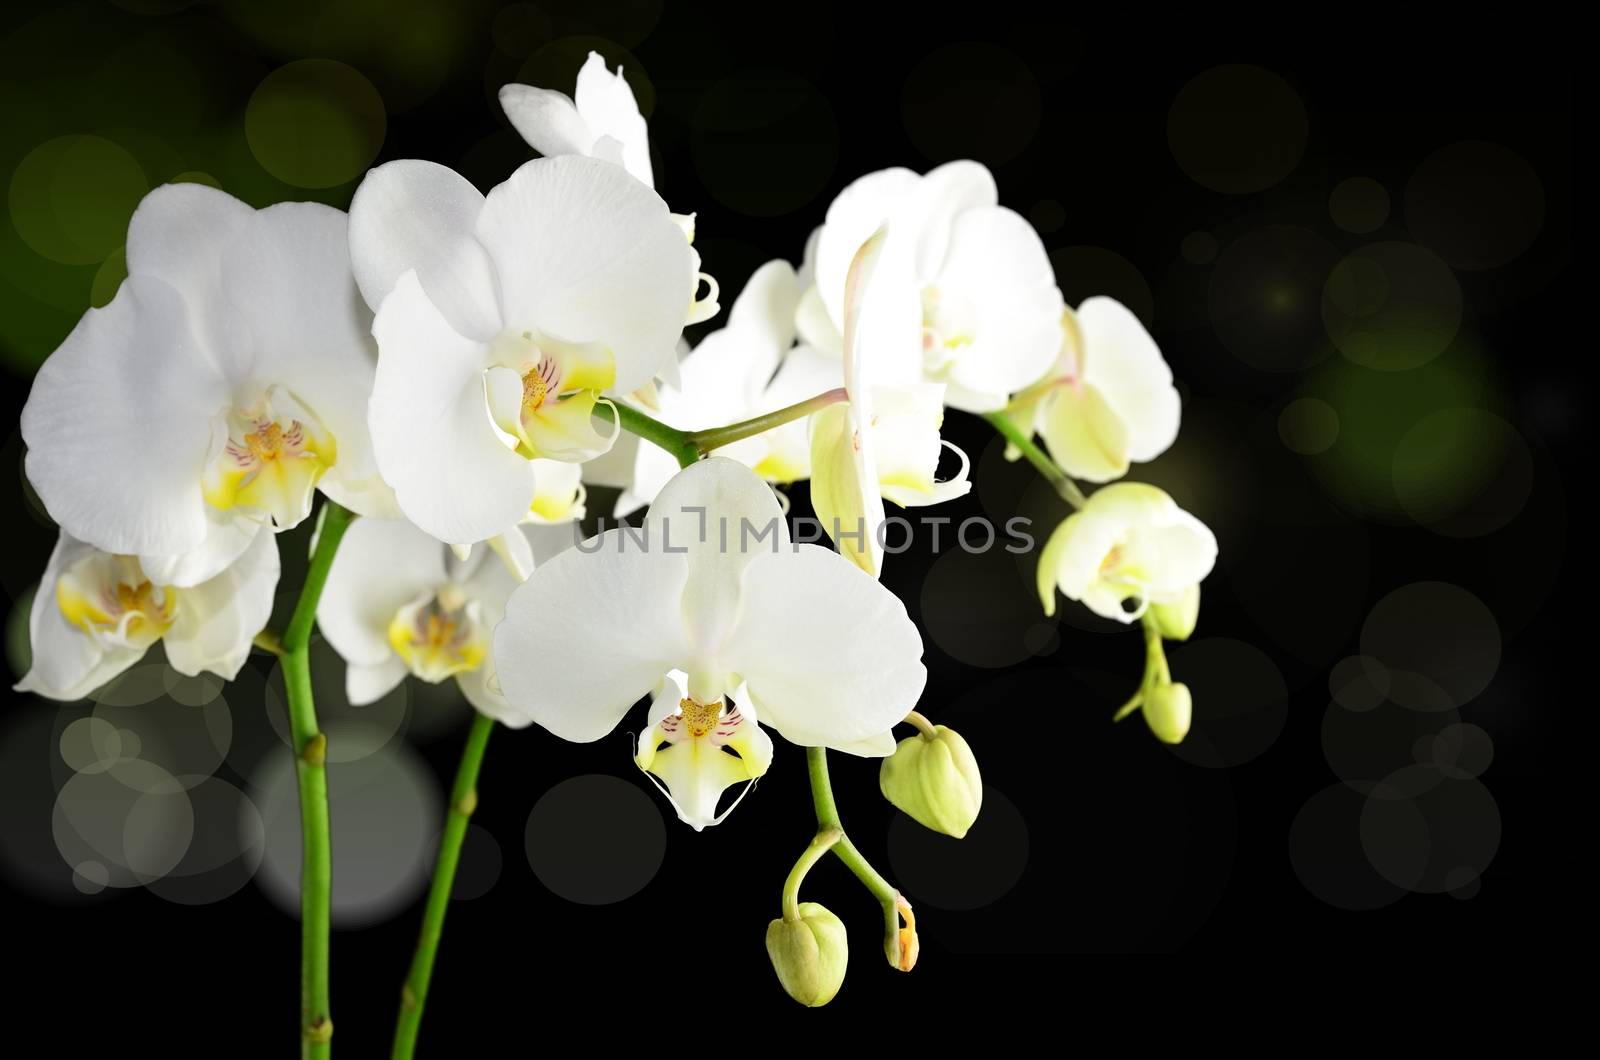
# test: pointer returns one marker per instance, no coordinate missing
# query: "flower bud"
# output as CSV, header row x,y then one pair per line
x,y
1176,620
1168,710
934,780
809,954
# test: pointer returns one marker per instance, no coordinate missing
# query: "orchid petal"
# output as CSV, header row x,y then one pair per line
x,y
214,622
830,656
435,442
411,215
118,425
587,254
381,566
608,109
589,633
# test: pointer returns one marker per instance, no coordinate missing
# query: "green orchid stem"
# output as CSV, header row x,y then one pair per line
x,y
688,446
1156,671
828,820
717,437
311,754
653,431
463,801
820,845
1058,479
922,725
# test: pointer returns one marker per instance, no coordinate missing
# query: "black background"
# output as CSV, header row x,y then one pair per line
x,y
1131,849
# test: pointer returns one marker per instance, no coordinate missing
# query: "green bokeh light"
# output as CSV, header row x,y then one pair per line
x,y
109,277
19,651
1237,129
1462,472
71,198
1376,409
315,123
1392,306
1308,426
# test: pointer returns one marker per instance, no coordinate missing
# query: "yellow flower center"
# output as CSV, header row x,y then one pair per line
x,y
700,718
438,637
109,598
539,383
270,463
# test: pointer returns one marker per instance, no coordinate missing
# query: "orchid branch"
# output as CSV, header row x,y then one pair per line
x,y
899,943
717,437
463,801
688,446
311,754
1059,480
651,430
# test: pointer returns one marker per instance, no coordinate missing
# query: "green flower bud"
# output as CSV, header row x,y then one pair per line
x,y
1176,620
1168,710
933,778
809,954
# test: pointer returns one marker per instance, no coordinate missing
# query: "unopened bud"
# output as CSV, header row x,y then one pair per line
x,y
809,954
1168,710
1176,620
903,947
933,778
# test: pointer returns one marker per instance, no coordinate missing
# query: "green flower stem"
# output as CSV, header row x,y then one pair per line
x,y
688,446
1156,671
922,725
820,845
717,437
828,820
463,801
1058,479
651,430
311,754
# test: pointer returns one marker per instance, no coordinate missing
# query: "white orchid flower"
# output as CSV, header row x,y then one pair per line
x,y
964,293
96,614
711,586
397,601
225,382
743,370
501,320
1130,544
601,120
883,443
1109,401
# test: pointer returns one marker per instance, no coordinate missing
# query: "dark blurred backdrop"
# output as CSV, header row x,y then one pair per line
x,y
1356,265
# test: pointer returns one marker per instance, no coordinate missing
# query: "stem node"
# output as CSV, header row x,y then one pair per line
x,y
315,752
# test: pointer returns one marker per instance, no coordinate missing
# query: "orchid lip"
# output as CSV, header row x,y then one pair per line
x,y
269,460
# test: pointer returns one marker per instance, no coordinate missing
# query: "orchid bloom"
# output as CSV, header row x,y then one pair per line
x,y
225,382
601,120
96,614
964,294
501,320
1109,400
710,586
743,370
882,444
397,602
1130,545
